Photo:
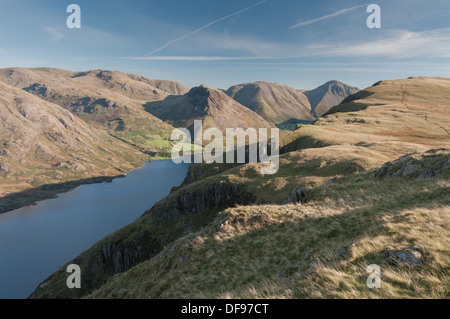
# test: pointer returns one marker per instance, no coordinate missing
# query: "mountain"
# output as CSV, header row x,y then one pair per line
x,y
328,95
109,100
277,103
43,144
214,107
366,184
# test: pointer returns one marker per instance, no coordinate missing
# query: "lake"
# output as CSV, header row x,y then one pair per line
x,y
36,240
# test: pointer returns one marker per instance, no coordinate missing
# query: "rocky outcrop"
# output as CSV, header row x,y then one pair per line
x,y
298,195
216,195
403,256
417,165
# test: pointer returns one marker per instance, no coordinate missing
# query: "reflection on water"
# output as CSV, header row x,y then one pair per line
x,y
36,240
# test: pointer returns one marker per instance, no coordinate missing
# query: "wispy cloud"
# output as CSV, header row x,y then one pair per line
x,y
398,44
194,58
54,34
326,17
2,51
203,27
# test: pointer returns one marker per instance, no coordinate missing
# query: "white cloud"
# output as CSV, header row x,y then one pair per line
x,y
398,44
326,17
2,51
55,35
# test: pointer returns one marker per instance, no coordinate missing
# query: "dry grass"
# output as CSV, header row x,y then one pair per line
x,y
259,251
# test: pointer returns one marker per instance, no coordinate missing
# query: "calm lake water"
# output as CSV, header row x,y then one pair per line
x,y
36,240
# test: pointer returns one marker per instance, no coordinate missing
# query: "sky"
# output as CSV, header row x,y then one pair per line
x,y
223,43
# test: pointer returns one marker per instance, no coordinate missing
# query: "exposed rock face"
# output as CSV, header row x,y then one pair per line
x,y
217,195
403,256
426,165
326,96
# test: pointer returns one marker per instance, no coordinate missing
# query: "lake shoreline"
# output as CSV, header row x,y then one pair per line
x,y
32,196
39,239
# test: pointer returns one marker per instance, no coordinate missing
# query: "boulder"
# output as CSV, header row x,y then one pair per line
x,y
298,195
403,256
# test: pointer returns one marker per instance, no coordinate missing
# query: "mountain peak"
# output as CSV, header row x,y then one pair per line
x,y
277,103
214,107
329,94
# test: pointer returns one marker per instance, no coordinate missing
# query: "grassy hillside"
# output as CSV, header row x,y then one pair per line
x,y
317,250
46,149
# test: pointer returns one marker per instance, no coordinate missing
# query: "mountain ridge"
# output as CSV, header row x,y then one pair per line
x,y
212,106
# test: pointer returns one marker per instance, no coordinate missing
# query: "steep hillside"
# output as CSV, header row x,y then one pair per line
x,y
328,95
276,103
43,144
212,106
320,249
109,100
366,184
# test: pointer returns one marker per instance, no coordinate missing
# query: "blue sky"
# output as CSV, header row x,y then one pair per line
x,y
221,43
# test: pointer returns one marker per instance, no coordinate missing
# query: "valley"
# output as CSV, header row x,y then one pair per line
x,y
367,179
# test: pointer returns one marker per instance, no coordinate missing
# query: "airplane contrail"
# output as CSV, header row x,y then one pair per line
x,y
205,26
329,16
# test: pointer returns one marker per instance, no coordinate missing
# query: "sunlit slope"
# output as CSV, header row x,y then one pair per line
x,y
44,144
392,117
317,250
213,107
109,100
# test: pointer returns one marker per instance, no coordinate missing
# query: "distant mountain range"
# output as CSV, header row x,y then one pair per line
x,y
280,103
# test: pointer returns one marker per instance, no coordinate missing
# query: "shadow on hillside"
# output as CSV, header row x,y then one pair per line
x,y
150,106
33,195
